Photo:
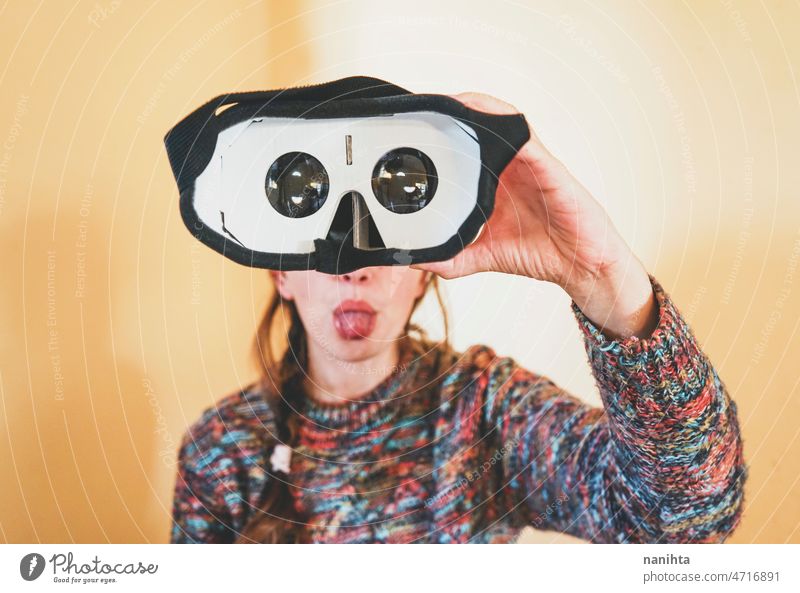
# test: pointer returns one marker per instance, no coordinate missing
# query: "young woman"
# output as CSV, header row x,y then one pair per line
x,y
396,438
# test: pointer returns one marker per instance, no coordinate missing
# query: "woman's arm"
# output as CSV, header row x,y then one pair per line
x,y
660,463
663,460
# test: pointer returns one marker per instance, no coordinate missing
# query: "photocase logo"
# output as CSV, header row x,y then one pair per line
x,y
31,566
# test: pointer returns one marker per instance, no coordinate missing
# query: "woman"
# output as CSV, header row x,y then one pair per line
x,y
396,438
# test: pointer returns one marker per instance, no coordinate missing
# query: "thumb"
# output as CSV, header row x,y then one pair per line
x,y
485,103
440,268
463,263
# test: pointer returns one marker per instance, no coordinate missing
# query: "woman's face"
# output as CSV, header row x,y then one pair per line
x,y
353,316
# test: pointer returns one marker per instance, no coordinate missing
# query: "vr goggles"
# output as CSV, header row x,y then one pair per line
x,y
339,176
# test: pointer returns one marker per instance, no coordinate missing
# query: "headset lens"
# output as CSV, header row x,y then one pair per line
x,y
404,180
296,184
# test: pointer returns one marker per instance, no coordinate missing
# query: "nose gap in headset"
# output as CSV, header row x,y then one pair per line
x,y
353,218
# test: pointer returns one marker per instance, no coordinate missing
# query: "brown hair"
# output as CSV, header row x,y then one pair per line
x,y
276,520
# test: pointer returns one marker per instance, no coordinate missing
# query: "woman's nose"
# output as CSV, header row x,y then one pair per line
x,y
358,276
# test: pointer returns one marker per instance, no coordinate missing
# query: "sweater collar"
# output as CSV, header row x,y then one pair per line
x,y
385,398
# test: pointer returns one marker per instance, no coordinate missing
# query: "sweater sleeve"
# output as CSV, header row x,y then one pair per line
x,y
199,514
221,470
660,462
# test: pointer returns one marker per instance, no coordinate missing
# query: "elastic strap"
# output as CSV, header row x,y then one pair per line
x,y
191,142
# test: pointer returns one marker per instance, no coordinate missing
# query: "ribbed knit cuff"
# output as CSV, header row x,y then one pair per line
x,y
668,365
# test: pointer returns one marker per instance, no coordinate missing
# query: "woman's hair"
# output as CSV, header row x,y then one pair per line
x,y
277,520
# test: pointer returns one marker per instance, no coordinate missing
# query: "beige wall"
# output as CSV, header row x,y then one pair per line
x,y
118,328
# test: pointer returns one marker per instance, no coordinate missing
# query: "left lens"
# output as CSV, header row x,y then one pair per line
x,y
404,180
296,184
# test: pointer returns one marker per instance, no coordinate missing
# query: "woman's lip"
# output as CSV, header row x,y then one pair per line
x,y
354,305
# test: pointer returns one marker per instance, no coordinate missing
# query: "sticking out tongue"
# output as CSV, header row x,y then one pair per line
x,y
354,325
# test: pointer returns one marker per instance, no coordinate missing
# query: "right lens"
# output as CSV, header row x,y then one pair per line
x,y
296,184
404,180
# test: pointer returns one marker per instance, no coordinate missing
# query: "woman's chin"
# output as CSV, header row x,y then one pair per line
x,y
354,349
348,346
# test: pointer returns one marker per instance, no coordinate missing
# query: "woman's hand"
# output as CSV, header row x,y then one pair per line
x,y
547,226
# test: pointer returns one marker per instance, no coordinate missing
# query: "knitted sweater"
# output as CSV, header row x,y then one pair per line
x,y
493,448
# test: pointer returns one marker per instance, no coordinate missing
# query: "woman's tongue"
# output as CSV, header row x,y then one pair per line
x,y
354,325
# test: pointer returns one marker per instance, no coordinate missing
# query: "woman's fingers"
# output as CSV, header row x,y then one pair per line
x,y
491,104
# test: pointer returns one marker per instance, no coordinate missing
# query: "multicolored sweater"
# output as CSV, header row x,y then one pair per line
x,y
494,448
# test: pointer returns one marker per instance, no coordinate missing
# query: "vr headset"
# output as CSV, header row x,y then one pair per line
x,y
339,176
